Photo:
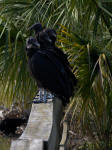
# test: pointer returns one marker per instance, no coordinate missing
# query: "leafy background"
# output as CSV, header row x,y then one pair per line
x,y
84,31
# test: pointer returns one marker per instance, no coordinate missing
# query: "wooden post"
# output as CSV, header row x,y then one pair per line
x,y
40,122
44,129
56,132
27,144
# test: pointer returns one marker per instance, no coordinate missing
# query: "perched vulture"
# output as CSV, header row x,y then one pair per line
x,y
48,67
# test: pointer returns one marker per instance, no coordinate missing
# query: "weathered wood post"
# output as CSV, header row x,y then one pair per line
x,y
44,128
56,132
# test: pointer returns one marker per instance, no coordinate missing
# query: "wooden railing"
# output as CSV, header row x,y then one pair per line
x,y
44,130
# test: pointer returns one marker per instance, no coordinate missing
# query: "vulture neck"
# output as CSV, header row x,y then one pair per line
x,y
45,46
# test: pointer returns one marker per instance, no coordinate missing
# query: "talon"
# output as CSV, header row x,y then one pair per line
x,y
44,96
37,102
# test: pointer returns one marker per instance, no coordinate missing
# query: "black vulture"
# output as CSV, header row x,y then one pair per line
x,y
42,37
46,43
47,69
32,46
37,27
53,55
53,36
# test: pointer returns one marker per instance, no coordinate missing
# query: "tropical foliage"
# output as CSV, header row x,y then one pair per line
x,y
92,67
85,34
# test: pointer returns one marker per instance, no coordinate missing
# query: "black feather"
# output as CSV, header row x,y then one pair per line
x,y
49,65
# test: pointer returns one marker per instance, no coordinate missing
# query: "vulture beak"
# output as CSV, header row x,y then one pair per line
x,y
33,45
29,46
49,40
36,44
54,35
